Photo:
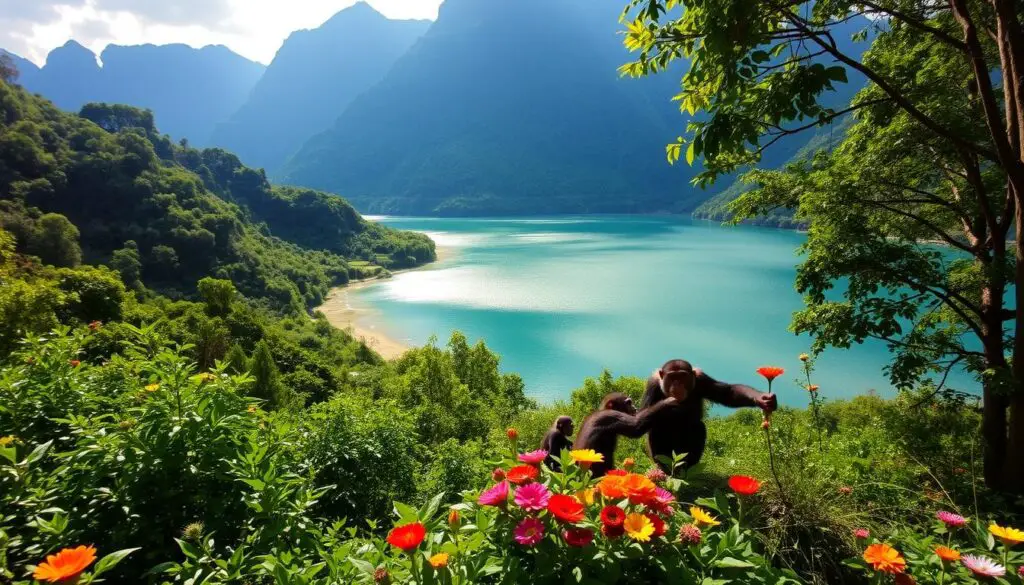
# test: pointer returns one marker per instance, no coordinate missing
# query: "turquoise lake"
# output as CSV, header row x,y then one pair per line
x,y
560,299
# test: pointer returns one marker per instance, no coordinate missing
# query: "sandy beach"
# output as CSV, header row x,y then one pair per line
x,y
345,312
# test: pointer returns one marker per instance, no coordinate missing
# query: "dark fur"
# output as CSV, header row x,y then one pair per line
x,y
601,429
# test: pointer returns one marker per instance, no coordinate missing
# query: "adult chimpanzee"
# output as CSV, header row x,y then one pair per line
x,y
556,441
682,430
601,429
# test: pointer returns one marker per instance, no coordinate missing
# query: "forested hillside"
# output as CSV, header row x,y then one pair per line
x,y
314,76
166,215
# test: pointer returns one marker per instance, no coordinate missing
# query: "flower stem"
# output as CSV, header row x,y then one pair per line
x,y
415,571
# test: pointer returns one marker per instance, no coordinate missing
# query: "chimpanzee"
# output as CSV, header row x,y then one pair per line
x,y
557,440
601,429
682,430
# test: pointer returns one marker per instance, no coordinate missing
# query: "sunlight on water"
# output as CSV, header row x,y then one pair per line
x,y
625,293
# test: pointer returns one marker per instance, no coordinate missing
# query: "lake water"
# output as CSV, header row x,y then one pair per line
x,y
562,298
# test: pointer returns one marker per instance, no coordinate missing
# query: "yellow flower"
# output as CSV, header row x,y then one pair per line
x,y
439,561
702,518
586,497
7,441
251,409
585,457
804,357
152,387
1009,536
207,377
638,527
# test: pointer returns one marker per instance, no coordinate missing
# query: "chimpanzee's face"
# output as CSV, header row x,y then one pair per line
x,y
678,384
567,429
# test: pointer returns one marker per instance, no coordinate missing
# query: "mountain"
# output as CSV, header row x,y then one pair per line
x,y
497,109
312,79
189,90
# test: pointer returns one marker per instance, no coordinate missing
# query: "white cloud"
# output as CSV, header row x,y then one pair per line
x,y
252,28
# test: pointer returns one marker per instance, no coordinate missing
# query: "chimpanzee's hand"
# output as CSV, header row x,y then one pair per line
x,y
767,402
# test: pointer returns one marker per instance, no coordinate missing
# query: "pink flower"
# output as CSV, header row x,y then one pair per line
x,y
662,501
689,535
533,497
529,532
1020,571
656,475
950,519
495,496
982,567
861,534
534,457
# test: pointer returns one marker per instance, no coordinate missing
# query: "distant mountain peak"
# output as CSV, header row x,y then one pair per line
x,y
72,53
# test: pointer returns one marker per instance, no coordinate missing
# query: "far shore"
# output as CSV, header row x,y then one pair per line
x,y
346,313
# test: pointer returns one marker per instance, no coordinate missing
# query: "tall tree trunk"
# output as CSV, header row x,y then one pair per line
x,y
993,397
1013,470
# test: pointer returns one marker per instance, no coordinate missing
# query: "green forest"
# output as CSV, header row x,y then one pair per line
x,y
174,411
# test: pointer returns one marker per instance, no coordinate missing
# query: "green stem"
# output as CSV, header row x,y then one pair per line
x,y
415,571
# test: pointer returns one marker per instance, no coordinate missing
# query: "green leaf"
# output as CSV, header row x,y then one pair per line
x,y
733,563
39,452
110,561
690,153
837,73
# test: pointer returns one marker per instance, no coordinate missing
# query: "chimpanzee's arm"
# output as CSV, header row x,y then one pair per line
x,y
731,395
652,393
637,425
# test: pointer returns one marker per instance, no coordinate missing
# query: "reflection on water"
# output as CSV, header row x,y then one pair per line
x,y
560,299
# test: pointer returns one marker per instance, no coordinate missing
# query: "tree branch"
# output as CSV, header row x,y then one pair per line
x,y
919,24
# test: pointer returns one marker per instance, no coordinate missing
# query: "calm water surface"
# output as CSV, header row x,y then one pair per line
x,y
560,299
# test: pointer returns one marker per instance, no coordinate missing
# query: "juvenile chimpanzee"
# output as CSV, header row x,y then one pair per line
x,y
682,430
601,429
556,441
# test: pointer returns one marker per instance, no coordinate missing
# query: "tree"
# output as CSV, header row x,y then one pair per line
x,y
217,294
56,241
267,385
127,263
8,70
756,75
238,362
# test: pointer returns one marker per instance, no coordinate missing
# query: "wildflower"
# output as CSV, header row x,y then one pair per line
x,y
982,567
846,490
612,516
66,565
744,485
638,527
407,537
689,535
770,372
628,463
1020,571
804,357
578,537
586,496
7,441
659,525
1009,536
252,409
861,534
529,532
612,487
439,561
206,377
566,508
381,576
498,474
639,489
662,502
512,434
495,496
950,519
75,363
586,457
959,471
522,474
656,475
612,532
95,326
812,388
533,497
700,517
453,518
534,458
947,554
193,532
152,387
885,559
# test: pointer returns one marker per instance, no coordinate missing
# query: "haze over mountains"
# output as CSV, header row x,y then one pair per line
x,y
498,107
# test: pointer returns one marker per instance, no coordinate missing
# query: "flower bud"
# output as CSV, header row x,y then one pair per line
x,y
861,534
689,535
766,424
846,490
453,518
381,576
512,434
804,357
498,474
628,463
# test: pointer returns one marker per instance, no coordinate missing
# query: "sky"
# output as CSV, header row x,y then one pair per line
x,y
252,28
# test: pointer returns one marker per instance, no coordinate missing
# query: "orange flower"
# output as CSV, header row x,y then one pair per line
x,y
812,388
66,565
453,518
75,363
628,463
885,559
566,508
521,474
439,561
512,434
947,554
639,489
770,372
612,487
408,536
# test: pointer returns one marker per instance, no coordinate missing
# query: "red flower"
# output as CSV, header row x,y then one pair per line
x,y
620,472
407,537
770,372
566,508
512,434
94,326
612,532
744,485
75,363
522,474
613,516
578,536
659,524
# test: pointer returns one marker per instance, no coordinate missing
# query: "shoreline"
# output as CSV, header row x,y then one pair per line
x,y
361,321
